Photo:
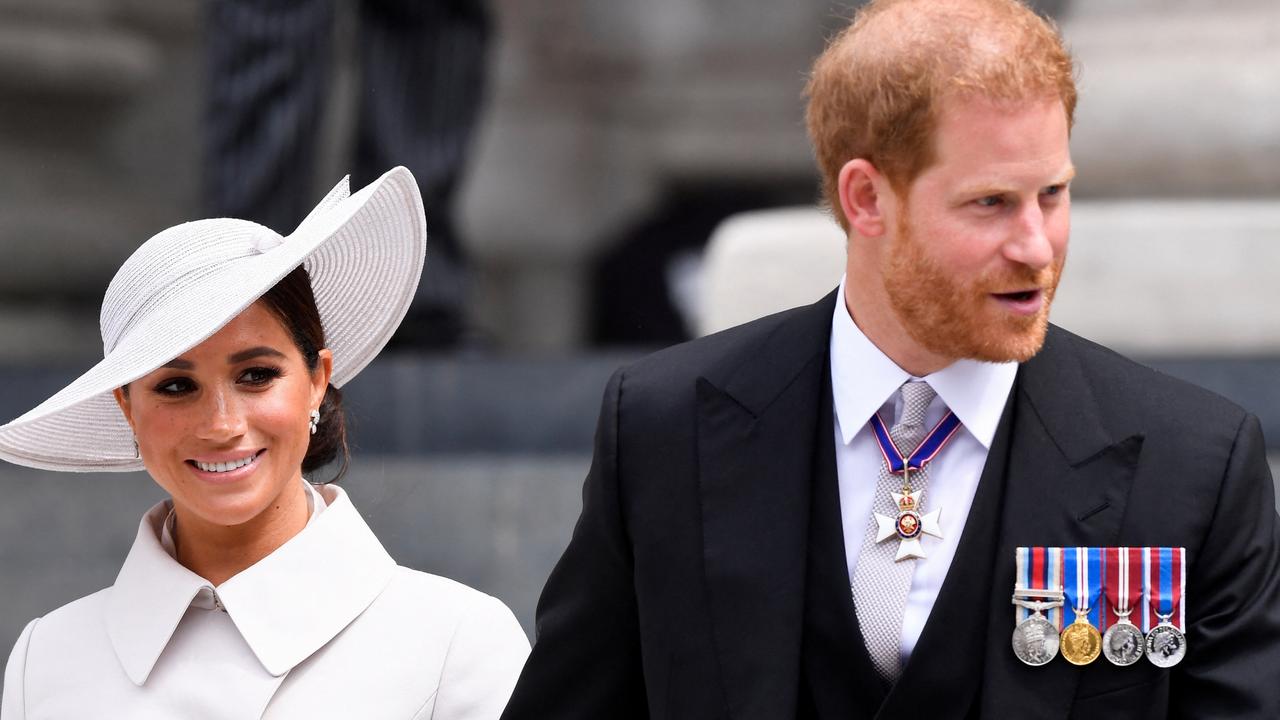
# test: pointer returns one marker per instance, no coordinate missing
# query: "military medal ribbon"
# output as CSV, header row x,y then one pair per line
x,y
1039,588
1166,577
1081,641
1082,568
1040,568
1123,585
1123,643
1165,581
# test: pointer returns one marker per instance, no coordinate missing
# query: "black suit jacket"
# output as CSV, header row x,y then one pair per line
x,y
682,591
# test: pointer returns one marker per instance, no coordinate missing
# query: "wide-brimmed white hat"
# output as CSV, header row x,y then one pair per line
x,y
364,253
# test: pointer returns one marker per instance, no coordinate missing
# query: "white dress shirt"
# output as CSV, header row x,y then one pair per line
x,y
865,381
326,626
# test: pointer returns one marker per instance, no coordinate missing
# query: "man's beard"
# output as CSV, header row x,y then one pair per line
x,y
957,319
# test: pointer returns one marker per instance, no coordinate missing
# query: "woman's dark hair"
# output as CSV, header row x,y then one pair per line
x,y
293,302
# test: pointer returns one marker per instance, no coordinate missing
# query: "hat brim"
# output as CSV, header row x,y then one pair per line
x,y
364,254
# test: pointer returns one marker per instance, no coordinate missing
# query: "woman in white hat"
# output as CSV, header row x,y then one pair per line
x,y
252,593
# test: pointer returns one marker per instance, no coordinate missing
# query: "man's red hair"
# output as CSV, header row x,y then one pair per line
x,y
875,92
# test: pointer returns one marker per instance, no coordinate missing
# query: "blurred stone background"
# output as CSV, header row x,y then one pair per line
x,y
615,138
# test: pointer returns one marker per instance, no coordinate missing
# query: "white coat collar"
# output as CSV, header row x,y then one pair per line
x,y
286,606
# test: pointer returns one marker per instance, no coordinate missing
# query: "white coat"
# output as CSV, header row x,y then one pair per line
x,y
327,626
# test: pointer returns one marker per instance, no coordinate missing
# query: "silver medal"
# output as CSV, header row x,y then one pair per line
x,y
1123,644
1166,645
1035,640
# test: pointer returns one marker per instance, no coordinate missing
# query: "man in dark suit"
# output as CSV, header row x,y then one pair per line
x,y
737,554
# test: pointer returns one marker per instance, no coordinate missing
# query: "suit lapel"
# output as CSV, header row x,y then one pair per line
x,y
756,428
1067,484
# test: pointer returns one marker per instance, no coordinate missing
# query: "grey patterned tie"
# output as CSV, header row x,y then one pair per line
x,y
880,585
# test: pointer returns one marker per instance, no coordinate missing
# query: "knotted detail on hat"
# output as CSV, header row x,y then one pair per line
x,y
172,260
266,242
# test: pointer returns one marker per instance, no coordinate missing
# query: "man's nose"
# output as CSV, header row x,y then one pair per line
x,y
1029,243
222,417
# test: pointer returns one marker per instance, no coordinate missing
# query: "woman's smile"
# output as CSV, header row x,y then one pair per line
x,y
226,467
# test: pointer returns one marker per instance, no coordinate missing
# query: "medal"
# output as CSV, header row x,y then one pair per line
x,y
1081,641
1035,640
1123,643
910,524
1039,589
1166,582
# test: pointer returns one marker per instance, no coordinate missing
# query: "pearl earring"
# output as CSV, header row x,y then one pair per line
x,y
314,421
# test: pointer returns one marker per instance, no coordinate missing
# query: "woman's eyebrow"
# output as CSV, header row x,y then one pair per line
x,y
253,352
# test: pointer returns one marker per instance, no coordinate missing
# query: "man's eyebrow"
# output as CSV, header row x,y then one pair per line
x,y
254,352
983,188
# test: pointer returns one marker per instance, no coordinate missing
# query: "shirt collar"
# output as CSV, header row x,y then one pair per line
x,y
286,606
863,378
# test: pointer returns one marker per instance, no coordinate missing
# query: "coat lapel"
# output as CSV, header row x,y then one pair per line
x,y
756,428
1067,484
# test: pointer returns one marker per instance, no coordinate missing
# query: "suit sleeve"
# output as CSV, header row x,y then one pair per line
x,y
13,705
1233,591
586,657
484,659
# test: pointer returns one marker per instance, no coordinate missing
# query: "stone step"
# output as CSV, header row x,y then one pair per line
x,y
1171,278
1157,278
87,62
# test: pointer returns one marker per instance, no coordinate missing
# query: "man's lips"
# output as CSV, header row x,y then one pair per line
x,y
1021,302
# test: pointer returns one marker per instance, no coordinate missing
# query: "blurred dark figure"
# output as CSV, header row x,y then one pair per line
x,y
421,79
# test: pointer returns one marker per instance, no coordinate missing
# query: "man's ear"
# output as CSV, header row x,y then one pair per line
x,y
122,399
862,192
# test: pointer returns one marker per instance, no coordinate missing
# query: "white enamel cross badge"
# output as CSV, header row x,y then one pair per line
x,y
909,525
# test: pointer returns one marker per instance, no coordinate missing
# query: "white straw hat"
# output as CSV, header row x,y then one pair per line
x,y
364,253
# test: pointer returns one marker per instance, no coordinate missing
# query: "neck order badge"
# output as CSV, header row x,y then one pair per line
x,y
1081,641
1166,568
910,523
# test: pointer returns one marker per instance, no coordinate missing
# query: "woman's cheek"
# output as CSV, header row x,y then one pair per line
x,y
276,416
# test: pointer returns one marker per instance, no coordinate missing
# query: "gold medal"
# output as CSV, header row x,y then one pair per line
x,y
1081,642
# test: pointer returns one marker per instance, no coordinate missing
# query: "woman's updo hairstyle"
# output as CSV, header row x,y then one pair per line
x,y
293,302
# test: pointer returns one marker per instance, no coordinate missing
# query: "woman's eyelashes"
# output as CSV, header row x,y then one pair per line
x,y
254,377
260,376
174,387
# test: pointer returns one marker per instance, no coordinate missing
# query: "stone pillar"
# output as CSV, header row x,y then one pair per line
x,y
99,103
